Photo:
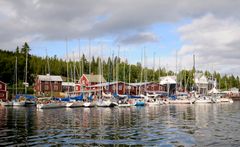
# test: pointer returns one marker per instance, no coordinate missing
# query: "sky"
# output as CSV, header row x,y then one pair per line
x,y
154,32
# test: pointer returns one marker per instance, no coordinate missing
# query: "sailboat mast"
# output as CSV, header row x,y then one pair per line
x,y
26,72
67,66
176,72
141,75
117,68
79,56
129,77
194,68
124,76
153,66
145,71
74,72
101,69
159,62
50,82
16,74
89,56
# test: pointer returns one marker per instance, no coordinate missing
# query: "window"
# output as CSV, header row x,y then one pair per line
x,y
46,87
107,87
55,87
83,82
119,87
2,95
1,86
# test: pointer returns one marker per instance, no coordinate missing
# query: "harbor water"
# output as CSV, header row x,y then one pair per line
x,y
167,125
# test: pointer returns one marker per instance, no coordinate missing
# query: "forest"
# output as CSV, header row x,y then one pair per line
x,y
114,68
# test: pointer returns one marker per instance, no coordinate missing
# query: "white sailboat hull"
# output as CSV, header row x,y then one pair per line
x,y
226,100
19,103
89,104
76,104
6,103
103,103
180,101
51,105
202,101
125,105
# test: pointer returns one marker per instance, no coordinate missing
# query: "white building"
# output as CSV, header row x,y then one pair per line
x,y
170,82
201,83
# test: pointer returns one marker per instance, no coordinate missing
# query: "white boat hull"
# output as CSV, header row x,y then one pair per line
x,y
6,103
68,104
226,100
76,104
103,103
153,103
180,101
202,101
125,105
19,103
89,104
51,105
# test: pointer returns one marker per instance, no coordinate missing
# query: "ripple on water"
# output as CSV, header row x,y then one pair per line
x,y
170,125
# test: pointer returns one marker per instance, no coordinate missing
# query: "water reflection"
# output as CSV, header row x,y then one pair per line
x,y
171,125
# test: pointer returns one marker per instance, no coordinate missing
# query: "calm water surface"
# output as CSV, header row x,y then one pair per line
x,y
167,125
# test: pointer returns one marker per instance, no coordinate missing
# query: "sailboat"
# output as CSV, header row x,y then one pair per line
x,y
49,102
20,101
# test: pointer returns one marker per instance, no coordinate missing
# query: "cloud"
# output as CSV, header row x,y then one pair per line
x,y
58,19
215,42
140,38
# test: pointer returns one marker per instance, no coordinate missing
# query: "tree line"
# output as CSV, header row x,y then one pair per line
x,y
114,68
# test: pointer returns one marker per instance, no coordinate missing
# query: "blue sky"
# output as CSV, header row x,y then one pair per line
x,y
166,46
209,30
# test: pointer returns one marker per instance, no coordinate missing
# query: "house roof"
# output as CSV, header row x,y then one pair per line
x,y
2,82
68,84
200,79
168,80
49,78
95,78
142,84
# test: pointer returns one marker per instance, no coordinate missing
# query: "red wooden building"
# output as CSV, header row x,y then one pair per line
x,y
47,85
88,80
142,88
3,91
111,87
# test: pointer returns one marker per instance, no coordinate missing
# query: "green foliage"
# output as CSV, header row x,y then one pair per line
x,y
134,73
